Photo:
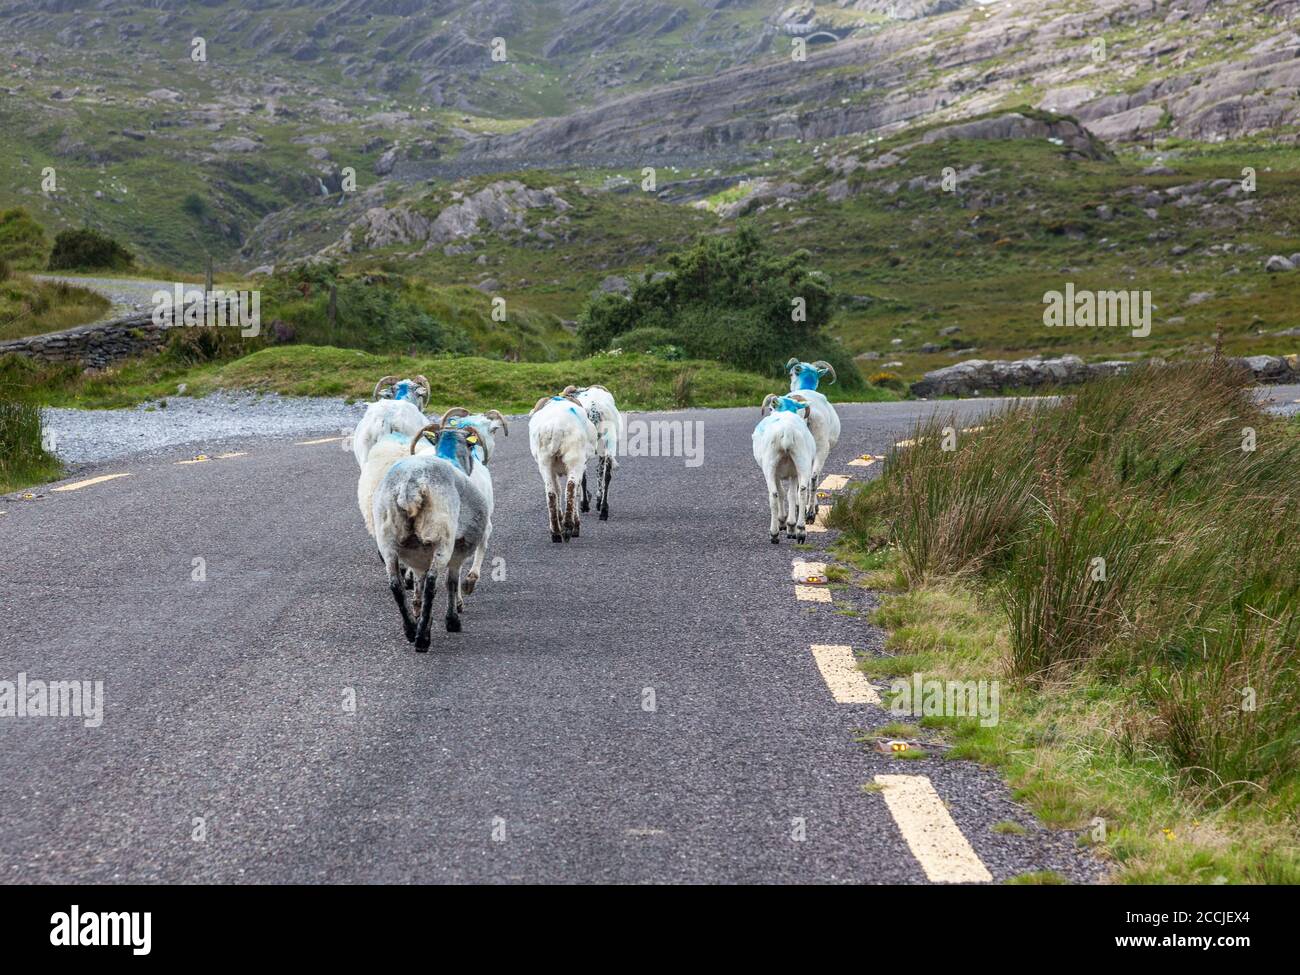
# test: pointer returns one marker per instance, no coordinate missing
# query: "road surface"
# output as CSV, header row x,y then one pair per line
x,y
639,705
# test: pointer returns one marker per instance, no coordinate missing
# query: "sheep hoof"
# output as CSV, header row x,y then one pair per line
x,y
776,538
812,516
410,634
604,513
422,644
453,624
555,537
468,583
576,530
585,506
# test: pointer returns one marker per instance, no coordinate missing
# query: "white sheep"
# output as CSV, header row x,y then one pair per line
x,y
823,421
562,439
785,450
482,428
429,518
398,408
603,412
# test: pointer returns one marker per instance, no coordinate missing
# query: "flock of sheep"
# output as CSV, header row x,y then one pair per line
x,y
425,490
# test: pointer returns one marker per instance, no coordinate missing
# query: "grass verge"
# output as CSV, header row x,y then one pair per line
x,y
1124,563
23,460
640,382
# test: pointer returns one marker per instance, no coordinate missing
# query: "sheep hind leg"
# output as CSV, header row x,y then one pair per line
x,y
553,506
454,601
571,523
475,568
606,472
586,500
428,586
397,586
774,505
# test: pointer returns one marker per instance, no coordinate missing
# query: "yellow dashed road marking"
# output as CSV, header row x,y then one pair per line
x,y
819,523
832,482
812,594
931,835
200,459
236,453
840,671
308,443
866,460
78,485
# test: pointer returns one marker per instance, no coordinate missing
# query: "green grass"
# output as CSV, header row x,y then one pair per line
x,y
1124,699
31,307
640,382
23,460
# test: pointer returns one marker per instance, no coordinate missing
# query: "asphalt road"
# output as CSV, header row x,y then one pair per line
x,y
521,749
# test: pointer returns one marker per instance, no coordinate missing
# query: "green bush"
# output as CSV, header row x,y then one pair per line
x,y
88,250
727,298
22,240
374,315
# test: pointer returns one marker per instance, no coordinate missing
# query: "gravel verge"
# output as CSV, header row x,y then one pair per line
x,y
84,437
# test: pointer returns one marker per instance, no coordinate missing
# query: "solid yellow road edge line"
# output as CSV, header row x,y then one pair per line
x,y
78,485
839,668
308,443
934,839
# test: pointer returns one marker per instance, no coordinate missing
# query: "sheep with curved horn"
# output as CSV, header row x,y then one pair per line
x,y
823,421
429,517
483,428
784,449
398,408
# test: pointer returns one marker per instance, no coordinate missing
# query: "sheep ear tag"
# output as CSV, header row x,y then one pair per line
x,y
471,439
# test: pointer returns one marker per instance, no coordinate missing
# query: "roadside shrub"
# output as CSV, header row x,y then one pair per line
x,y
23,459
727,298
88,250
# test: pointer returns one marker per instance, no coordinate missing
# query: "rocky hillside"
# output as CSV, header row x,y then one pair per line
x,y
1196,69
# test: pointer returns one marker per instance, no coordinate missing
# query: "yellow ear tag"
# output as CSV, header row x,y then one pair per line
x,y
471,439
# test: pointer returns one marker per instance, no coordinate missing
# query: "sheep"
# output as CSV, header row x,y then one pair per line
x,y
483,428
785,450
429,517
823,421
562,439
398,408
603,412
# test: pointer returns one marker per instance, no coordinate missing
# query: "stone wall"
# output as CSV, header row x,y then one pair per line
x,y
993,375
93,346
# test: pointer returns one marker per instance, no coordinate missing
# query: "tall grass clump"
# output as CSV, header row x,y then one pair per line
x,y
23,458
1139,533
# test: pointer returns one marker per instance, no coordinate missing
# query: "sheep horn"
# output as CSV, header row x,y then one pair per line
x,y
570,391
425,385
434,427
454,411
386,381
791,364
540,403
824,367
496,415
767,400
